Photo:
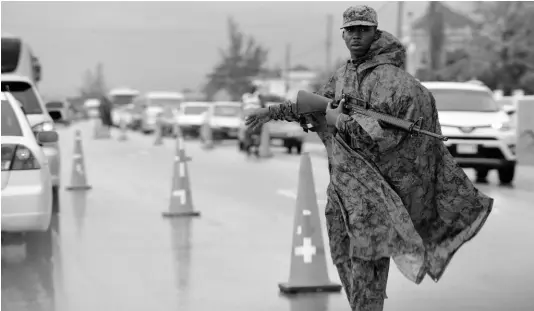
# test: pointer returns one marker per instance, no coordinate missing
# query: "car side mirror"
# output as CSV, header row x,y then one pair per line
x,y
46,137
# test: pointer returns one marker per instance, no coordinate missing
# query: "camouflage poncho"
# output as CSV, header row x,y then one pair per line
x,y
396,195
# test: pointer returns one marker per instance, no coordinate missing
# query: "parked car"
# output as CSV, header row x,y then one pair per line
x,y
480,132
27,184
24,91
60,111
191,117
225,119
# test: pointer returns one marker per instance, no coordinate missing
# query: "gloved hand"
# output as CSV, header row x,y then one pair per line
x,y
257,117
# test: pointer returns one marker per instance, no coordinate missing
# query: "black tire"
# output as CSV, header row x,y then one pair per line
x,y
481,174
299,148
55,200
506,174
289,149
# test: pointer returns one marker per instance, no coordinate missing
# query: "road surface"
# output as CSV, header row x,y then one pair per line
x,y
111,249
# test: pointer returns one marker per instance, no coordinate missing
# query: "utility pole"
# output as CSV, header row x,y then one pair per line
x,y
329,27
287,66
400,19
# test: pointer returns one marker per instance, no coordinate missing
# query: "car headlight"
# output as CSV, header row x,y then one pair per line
x,y
502,126
44,126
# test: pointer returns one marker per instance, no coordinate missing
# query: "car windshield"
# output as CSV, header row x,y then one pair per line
x,y
54,105
166,102
226,111
195,110
464,100
10,123
25,94
122,100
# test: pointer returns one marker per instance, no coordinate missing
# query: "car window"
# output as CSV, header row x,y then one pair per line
x,y
464,100
10,122
25,94
54,105
195,110
10,54
226,111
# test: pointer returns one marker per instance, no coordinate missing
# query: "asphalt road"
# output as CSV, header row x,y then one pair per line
x,y
111,249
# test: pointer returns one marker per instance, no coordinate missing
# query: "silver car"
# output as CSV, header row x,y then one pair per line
x,y
33,106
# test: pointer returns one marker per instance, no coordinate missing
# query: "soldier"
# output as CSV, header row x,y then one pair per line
x,y
391,194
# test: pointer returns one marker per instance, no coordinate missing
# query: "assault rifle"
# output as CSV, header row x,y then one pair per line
x,y
308,103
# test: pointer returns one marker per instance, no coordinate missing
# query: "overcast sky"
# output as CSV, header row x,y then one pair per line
x,y
173,45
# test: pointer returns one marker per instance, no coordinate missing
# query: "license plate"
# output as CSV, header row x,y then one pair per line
x,y
277,142
467,149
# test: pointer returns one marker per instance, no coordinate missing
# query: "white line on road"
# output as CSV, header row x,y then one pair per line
x,y
291,194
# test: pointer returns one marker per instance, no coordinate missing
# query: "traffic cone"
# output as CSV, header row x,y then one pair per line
x,y
308,271
181,199
265,142
159,132
123,136
78,177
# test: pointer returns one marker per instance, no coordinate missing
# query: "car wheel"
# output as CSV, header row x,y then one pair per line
x,y
481,175
289,149
55,200
299,148
506,174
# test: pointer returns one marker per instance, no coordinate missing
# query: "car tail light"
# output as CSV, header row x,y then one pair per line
x,y
17,158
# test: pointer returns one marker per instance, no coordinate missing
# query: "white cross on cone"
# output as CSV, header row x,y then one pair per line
x,y
308,272
78,176
181,204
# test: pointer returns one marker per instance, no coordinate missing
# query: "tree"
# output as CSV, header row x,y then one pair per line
x,y
243,60
94,84
501,53
436,35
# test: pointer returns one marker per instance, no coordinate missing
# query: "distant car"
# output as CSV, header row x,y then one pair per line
x,y
27,184
60,111
24,91
480,132
225,119
191,117
153,104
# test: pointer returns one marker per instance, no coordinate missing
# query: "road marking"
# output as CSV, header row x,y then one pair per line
x,y
292,195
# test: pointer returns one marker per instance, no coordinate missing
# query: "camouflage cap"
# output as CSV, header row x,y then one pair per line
x,y
361,15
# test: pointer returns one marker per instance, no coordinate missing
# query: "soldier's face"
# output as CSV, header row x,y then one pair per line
x,y
359,39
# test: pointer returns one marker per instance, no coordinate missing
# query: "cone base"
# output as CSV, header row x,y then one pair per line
x,y
180,214
287,288
86,187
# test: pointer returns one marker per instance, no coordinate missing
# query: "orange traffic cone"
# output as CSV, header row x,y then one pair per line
x,y
78,177
308,260
123,136
181,200
265,142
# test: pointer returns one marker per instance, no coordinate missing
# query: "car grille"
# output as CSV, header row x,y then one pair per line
x,y
483,152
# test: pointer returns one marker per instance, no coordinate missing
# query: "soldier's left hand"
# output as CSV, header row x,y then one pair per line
x,y
333,113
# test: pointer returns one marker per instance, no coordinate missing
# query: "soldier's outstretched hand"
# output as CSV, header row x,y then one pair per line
x,y
257,117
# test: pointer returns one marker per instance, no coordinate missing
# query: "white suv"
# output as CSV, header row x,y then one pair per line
x,y
480,132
